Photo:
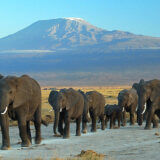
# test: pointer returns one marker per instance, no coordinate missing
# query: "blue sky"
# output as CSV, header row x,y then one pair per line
x,y
136,16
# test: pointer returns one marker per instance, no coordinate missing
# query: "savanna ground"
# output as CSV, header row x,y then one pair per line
x,y
110,94
126,143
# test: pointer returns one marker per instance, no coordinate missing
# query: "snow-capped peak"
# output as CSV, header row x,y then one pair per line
x,y
74,19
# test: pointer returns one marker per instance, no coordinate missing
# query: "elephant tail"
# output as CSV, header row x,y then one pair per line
x,y
46,120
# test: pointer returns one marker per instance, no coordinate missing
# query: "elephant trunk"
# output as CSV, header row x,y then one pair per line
x,y
4,122
56,120
142,106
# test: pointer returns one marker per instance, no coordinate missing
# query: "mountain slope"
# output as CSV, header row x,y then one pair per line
x,y
73,33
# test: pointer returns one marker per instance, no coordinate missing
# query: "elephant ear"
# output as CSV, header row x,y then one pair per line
x,y
130,98
153,95
21,95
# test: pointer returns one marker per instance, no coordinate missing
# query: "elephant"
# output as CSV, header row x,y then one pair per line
x,y
52,97
85,117
20,99
137,87
67,104
96,102
149,92
113,113
128,100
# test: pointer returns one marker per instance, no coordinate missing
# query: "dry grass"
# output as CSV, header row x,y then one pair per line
x,y
89,155
110,94
84,155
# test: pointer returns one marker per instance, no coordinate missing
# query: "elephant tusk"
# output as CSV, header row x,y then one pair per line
x,y
144,108
60,109
5,110
123,109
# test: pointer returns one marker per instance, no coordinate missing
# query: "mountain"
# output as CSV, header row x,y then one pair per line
x,y
74,34
70,51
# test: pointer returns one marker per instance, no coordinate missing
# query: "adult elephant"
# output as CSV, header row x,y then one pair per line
x,y
85,117
67,104
20,99
128,100
96,102
137,87
51,99
149,92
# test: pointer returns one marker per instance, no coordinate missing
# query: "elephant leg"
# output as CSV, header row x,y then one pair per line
x,y
119,119
78,123
5,132
145,115
111,122
84,127
60,124
23,131
154,121
149,117
37,124
114,121
93,117
101,117
84,123
106,121
67,126
29,131
123,118
132,118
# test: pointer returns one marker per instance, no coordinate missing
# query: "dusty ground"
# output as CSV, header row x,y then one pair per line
x,y
126,143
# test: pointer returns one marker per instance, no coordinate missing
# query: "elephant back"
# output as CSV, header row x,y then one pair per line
x,y
109,109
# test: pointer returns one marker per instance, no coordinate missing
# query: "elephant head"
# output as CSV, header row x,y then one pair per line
x,y
59,101
55,100
123,98
136,86
126,98
11,94
146,93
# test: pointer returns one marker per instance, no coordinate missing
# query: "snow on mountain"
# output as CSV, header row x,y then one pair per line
x,y
72,33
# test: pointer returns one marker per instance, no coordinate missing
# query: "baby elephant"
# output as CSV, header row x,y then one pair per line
x,y
113,113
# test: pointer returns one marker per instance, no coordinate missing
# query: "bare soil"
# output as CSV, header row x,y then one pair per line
x,y
126,143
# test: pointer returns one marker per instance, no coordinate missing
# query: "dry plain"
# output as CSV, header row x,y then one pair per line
x,y
126,143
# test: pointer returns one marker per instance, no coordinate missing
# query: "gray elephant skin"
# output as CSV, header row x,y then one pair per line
x,y
85,117
20,99
96,102
67,104
149,92
113,113
128,100
143,115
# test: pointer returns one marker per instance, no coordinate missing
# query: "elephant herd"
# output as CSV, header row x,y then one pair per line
x,y
71,104
20,100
